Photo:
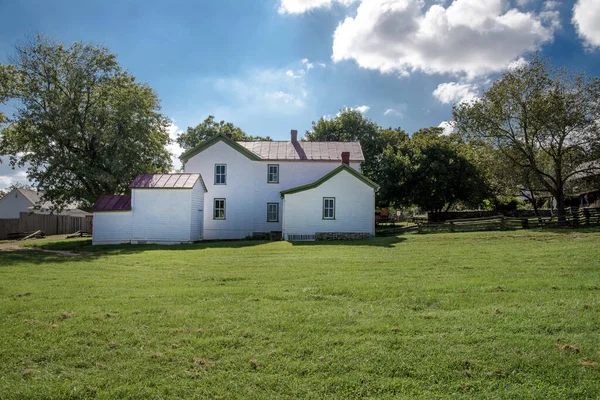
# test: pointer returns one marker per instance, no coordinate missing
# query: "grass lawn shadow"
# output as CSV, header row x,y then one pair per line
x,y
386,241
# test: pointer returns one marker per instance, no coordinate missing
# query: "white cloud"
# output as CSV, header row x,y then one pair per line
x,y
586,17
520,63
308,65
9,176
471,37
362,109
449,127
174,148
302,6
453,92
397,111
279,91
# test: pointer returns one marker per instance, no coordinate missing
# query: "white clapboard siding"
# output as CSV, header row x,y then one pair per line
x,y
111,227
354,208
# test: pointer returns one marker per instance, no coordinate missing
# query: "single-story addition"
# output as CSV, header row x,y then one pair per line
x,y
339,205
162,208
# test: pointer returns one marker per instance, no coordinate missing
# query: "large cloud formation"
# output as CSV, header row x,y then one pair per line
x,y
468,37
586,18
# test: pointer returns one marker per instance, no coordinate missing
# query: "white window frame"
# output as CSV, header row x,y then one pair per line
x,y
269,213
216,209
328,210
222,175
275,174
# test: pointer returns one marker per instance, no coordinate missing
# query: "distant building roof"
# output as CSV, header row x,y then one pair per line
x,y
314,151
35,197
108,202
166,181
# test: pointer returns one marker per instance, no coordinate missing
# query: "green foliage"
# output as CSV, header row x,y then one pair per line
x,y
352,126
84,127
8,82
472,315
431,171
544,122
210,128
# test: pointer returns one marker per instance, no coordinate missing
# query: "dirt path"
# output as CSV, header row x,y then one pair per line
x,y
15,247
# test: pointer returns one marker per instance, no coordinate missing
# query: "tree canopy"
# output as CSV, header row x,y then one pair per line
x,y
545,122
210,128
83,127
351,125
431,171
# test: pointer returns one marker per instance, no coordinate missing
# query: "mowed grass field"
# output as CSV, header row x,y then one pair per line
x,y
466,315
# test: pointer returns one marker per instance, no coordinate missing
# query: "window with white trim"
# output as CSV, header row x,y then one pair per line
x,y
220,174
328,207
219,209
272,212
273,173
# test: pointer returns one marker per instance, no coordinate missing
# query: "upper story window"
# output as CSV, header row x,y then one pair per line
x,y
328,207
220,174
273,173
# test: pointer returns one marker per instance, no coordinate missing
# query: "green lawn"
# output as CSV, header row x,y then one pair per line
x,y
467,315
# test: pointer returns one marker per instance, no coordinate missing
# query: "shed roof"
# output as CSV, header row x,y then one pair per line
x,y
166,181
109,202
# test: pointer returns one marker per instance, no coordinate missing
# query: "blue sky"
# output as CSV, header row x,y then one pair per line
x,y
274,65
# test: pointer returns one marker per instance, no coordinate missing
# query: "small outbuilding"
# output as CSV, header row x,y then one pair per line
x,y
162,208
338,206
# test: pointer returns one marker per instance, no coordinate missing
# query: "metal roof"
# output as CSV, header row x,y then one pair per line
x,y
109,202
314,151
165,181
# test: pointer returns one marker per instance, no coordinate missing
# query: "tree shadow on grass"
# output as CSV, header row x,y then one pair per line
x,y
388,241
83,251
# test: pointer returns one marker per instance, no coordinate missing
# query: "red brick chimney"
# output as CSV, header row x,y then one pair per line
x,y
346,157
294,136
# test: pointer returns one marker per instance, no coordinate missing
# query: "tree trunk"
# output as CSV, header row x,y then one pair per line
x,y
560,206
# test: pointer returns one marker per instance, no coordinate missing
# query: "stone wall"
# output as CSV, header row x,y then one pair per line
x,y
341,235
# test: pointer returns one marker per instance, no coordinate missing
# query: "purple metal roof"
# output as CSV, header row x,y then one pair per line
x,y
109,202
164,181
315,151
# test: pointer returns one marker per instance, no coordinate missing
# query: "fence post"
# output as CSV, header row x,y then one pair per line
x,y
452,226
502,223
525,223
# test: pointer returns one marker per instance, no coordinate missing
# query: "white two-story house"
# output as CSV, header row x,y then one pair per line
x,y
306,190
236,190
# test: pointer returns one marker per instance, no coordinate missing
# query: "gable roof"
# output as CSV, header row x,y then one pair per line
x,y
221,138
314,151
282,150
35,198
327,177
166,181
109,202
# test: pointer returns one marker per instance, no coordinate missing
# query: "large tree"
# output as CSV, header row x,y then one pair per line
x,y
83,127
545,122
431,171
210,128
351,125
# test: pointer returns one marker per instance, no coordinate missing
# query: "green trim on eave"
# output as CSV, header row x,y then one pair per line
x,y
327,177
207,143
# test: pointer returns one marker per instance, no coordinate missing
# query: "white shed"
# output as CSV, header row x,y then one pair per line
x,y
163,208
340,205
